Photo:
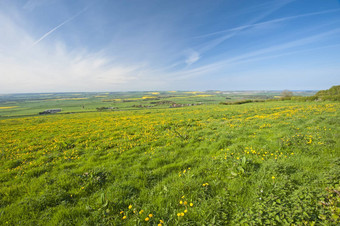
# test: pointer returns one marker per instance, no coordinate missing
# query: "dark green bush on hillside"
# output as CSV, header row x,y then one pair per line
x,y
333,91
330,94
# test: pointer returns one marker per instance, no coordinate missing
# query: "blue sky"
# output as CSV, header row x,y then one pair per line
x,y
112,45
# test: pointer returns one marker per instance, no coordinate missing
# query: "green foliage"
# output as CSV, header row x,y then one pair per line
x,y
286,94
333,91
241,102
332,94
331,203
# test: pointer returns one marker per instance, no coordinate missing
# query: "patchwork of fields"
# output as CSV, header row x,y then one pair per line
x,y
260,163
31,104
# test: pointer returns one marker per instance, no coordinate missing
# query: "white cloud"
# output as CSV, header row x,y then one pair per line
x,y
269,9
192,58
260,54
49,67
59,26
269,22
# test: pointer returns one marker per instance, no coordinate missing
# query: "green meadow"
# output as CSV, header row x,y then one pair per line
x,y
272,162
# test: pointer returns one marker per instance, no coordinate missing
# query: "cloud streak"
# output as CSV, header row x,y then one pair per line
x,y
59,26
211,44
283,19
192,58
252,56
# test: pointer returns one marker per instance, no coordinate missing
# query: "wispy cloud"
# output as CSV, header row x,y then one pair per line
x,y
59,26
253,56
52,67
192,58
283,19
217,41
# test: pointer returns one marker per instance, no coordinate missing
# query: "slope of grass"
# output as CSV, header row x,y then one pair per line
x,y
260,163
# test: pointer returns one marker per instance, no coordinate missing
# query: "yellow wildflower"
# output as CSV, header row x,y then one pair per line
x,y
150,215
191,204
124,218
130,206
147,219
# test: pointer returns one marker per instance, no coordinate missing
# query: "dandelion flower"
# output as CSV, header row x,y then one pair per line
x,y
160,221
185,202
130,206
182,214
185,211
273,177
121,212
191,204
178,214
147,219
181,202
150,215
124,218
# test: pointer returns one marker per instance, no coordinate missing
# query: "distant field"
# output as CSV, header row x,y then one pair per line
x,y
210,164
31,104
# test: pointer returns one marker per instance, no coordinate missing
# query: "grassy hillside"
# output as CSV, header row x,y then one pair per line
x,y
260,163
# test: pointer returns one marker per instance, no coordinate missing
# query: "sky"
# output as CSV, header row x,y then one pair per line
x,y
145,45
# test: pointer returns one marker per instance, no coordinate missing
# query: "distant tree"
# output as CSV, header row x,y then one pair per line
x,y
286,94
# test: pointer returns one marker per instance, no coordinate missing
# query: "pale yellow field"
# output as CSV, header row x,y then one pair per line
x,y
8,107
